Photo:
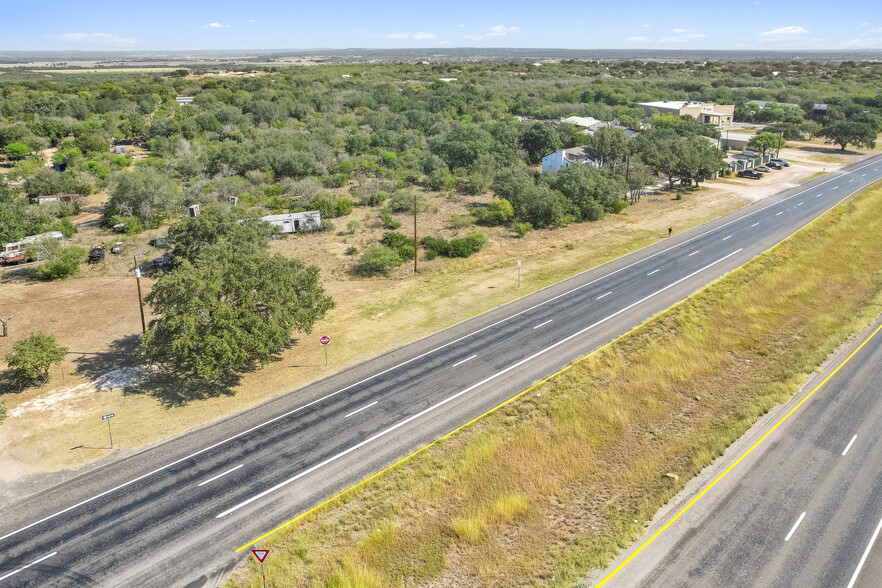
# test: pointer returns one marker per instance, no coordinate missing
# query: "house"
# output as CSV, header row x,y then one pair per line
x,y
704,112
561,158
296,222
819,110
735,141
63,198
763,103
448,80
588,123
184,99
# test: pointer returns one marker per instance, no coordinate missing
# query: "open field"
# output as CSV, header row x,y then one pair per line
x,y
556,482
95,314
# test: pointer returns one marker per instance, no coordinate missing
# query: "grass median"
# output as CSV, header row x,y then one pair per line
x,y
557,481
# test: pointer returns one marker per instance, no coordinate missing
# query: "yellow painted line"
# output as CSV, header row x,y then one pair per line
x,y
495,408
737,461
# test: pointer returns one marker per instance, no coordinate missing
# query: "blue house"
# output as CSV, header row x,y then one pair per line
x,y
561,158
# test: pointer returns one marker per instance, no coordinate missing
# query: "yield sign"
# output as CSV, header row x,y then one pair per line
x,y
260,554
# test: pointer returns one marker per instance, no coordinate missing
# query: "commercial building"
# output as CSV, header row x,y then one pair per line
x,y
706,113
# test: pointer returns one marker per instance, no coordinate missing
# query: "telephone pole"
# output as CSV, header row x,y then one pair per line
x,y
140,301
414,233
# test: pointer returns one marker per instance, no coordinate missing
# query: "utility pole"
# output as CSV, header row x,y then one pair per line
x,y
415,250
140,301
5,324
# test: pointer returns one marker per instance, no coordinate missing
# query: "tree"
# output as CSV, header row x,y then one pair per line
x,y
764,142
217,223
379,260
638,177
593,191
612,144
462,145
659,150
145,194
91,143
32,357
539,140
858,134
14,221
65,265
232,306
17,151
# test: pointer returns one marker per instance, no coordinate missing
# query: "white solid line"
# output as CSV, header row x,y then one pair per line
x,y
801,203
793,529
361,409
780,213
693,253
653,271
866,553
729,237
220,475
603,295
465,360
847,447
378,374
543,324
33,563
753,225
470,388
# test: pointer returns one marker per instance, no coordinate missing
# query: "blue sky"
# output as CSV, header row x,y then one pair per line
x,y
199,24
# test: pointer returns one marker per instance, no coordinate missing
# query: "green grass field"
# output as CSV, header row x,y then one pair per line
x,y
557,481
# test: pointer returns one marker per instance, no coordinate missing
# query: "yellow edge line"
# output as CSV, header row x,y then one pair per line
x,y
746,453
494,409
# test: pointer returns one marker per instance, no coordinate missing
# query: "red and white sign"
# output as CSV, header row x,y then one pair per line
x,y
325,340
260,554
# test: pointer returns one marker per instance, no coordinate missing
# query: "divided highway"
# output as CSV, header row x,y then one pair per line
x,y
174,514
803,509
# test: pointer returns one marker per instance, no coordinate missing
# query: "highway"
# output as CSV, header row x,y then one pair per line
x,y
175,513
803,509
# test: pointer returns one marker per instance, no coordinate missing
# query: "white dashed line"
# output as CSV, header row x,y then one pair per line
x,y
603,296
847,447
465,360
780,213
729,237
543,324
793,529
653,271
753,225
863,559
221,475
33,563
361,409
693,253
801,203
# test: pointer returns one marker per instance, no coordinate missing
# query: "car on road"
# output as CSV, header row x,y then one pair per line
x,y
749,173
783,162
774,165
763,169
118,247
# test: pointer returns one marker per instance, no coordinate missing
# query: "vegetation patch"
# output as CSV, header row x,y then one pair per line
x,y
555,483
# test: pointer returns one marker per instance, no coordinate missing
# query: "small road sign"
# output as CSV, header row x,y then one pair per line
x,y
260,554
108,416
325,340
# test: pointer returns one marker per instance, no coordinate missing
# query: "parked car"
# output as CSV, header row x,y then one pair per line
x,y
159,241
763,168
161,262
783,162
118,247
96,254
774,165
749,173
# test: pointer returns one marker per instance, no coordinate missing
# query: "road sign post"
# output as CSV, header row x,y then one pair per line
x,y
261,554
107,418
519,273
324,341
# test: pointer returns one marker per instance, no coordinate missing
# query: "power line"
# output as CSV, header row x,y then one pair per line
x,y
5,303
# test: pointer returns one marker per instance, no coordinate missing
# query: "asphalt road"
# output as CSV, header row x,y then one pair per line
x,y
803,509
174,514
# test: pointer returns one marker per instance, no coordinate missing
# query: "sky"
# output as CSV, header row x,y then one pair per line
x,y
272,24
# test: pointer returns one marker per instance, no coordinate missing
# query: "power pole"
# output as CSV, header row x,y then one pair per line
x,y
140,301
5,324
414,233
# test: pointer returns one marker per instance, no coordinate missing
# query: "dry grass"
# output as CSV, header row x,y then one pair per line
x,y
554,484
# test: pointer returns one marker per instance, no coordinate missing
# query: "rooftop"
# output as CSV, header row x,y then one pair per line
x,y
670,103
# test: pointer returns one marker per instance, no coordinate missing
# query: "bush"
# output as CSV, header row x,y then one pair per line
x,y
461,221
497,212
399,243
388,221
522,229
379,260
352,225
435,247
132,226
403,202
67,264
31,358
374,198
351,250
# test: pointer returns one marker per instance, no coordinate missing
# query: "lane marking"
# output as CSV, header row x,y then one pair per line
x,y
793,528
33,563
220,475
851,180
862,175
499,322
801,203
653,271
693,253
729,237
780,213
469,389
835,187
543,324
603,295
361,409
707,489
465,360
854,577
847,447
753,225
819,195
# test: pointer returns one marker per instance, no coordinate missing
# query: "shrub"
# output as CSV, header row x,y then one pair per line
x,y
399,243
389,222
67,264
374,198
352,225
31,358
522,229
351,250
379,260
461,221
497,212
344,206
403,202
435,247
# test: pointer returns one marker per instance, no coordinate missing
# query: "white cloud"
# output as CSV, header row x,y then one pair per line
x,y
667,40
215,25
863,43
412,36
645,26
103,39
879,30
865,24
250,20
502,30
678,31
636,39
461,26
784,31
443,42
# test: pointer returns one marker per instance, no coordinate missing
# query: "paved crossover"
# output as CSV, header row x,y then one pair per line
x,y
174,514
